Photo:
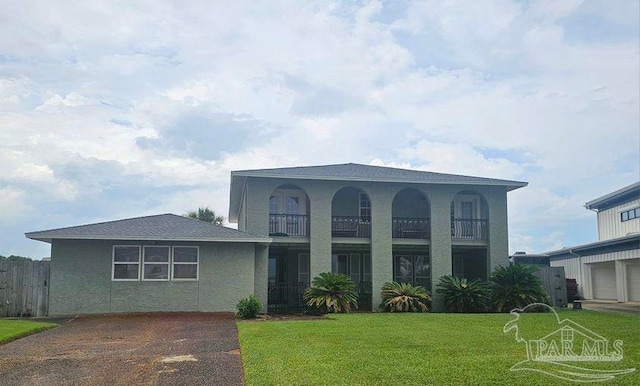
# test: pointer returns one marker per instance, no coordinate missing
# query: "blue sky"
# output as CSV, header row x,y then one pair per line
x,y
116,109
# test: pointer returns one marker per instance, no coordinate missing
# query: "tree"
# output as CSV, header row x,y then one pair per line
x,y
461,295
404,297
332,292
205,214
15,258
516,286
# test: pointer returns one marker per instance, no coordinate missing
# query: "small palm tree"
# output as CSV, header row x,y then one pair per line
x,y
332,293
461,295
205,214
516,286
404,297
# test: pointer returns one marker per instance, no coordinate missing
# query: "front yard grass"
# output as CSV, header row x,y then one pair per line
x,y
390,349
12,329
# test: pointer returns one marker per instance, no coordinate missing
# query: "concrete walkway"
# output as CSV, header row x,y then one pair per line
x,y
630,308
140,349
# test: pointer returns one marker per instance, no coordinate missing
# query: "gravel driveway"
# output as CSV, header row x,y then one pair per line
x,y
143,349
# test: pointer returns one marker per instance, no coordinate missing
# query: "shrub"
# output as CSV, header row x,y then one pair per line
x,y
248,308
516,286
404,297
332,293
461,295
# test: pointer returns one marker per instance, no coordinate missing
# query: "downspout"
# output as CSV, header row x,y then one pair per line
x,y
580,266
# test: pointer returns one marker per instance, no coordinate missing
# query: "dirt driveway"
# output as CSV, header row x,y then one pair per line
x,y
147,349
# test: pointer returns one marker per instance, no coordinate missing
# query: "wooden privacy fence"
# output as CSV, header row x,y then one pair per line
x,y
24,288
555,284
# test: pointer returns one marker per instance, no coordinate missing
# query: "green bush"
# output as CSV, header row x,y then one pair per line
x,y
404,297
248,308
332,293
516,286
464,296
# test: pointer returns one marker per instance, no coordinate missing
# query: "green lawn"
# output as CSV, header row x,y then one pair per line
x,y
415,348
12,329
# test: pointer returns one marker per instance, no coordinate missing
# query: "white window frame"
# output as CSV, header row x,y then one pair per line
x,y
167,263
196,263
114,262
365,208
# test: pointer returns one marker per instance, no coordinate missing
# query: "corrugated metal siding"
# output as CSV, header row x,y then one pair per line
x,y
571,268
621,255
610,226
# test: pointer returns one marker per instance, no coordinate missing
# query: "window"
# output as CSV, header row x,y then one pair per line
x,y
158,263
365,207
185,263
413,269
155,263
630,214
303,268
126,263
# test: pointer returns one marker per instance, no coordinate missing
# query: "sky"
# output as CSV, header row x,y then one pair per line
x,y
118,109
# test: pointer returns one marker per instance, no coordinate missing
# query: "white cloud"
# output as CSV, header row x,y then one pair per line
x,y
173,97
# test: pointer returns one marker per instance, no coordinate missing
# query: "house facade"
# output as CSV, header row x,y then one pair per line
x,y
608,269
375,224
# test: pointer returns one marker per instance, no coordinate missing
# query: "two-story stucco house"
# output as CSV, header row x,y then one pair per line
x,y
608,269
375,224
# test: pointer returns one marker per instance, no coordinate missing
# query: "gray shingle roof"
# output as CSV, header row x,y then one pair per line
x,y
357,172
158,227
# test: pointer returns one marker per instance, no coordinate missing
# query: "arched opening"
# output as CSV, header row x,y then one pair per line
x,y
411,212
469,235
289,212
351,218
351,213
289,262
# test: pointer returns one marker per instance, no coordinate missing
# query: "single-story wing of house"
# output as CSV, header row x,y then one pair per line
x,y
155,263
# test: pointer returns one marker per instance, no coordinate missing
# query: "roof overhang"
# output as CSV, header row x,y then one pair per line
x,y
621,243
628,193
47,238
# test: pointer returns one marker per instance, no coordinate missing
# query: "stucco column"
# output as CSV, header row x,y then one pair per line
x,y
498,250
261,274
381,242
440,200
320,197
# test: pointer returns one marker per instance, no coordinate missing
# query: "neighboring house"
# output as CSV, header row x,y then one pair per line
x,y
376,224
608,269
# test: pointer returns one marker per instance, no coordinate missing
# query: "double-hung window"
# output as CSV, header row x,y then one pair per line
x,y
185,263
155,263
126,263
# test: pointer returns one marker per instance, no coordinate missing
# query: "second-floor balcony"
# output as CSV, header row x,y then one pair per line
x,y
351,226
292,225
469,229
411,228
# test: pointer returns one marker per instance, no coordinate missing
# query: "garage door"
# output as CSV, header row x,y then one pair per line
x,y
603,279
633,280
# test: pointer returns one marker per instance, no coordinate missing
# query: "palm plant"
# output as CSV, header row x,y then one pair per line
x,y
332,293
404,297
516,286
461,295
205,214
